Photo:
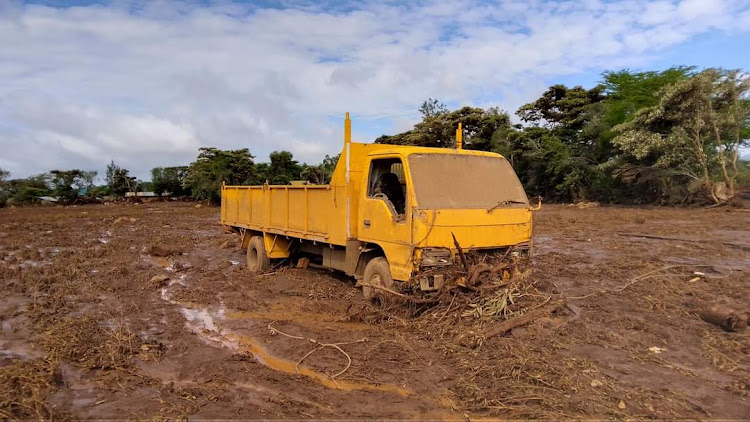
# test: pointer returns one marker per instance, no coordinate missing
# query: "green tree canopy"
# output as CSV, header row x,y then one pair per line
x,y
283,168
4,194
170,180
26,191
432,108
119,180
694,132
206,173
562,107
63,182
439,130
320,174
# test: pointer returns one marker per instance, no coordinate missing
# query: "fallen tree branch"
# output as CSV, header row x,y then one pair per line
x,y
524,319
395,293
460,253
728,319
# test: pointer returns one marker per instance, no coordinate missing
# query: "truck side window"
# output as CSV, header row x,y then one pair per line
x,y
387,181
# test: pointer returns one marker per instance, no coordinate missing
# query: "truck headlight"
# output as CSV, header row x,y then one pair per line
x,y
436,258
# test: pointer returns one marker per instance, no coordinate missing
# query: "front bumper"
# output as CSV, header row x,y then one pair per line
x,y
439,268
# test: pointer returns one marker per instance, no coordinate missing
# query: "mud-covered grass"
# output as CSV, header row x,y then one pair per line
x,y
25,386
145,311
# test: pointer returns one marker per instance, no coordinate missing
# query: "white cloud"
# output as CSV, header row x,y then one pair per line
x,y
148,83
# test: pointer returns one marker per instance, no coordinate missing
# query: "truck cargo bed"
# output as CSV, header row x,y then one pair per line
x,y
310,212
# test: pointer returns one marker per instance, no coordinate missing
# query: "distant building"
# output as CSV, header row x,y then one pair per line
x,y
141,194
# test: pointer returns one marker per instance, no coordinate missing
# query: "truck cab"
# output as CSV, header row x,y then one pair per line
x,y
419,205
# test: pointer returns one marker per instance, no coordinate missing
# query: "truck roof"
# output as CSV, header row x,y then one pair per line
x,y
378,149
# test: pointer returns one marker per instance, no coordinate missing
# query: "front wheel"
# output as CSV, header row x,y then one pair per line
x,y
257,258
377,277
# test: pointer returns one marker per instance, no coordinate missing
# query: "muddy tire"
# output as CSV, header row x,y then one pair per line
x,y
377,273
257,258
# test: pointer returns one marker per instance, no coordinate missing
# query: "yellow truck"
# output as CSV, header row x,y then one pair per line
x,y
397,218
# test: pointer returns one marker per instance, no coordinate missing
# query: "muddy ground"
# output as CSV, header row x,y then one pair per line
x,y
145,311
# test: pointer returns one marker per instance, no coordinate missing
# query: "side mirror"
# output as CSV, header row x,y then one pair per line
x,y
538,205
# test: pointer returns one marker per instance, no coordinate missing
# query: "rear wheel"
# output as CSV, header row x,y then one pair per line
x,y
378,275
257,258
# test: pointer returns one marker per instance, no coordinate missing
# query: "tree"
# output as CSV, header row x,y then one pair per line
x,y
170,180
562,107
4,195
206,173
440,130
283,168
261,174
63,182
85,182
694,132
26,191
432,108
628,91
111,172
582,121
320,174
731,122
546,164
119,180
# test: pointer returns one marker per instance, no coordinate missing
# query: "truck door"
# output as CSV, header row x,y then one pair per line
x,y
384,213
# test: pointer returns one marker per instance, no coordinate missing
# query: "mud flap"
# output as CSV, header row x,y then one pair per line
x,y
277,246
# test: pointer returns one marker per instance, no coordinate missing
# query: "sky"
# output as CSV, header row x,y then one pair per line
x,y
146,83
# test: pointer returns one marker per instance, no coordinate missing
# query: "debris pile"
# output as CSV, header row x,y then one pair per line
x,y
485,295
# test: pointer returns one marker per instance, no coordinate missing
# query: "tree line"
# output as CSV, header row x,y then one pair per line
x,y
200,180
665,137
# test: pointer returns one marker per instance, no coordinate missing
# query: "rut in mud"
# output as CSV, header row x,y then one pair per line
x,y
145,311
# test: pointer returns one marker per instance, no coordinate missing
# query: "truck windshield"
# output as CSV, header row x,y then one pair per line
x,y
443,181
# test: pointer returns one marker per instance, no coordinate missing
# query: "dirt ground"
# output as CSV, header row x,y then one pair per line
x,y
145,312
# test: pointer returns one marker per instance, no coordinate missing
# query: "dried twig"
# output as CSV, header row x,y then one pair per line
x,y
448,308
318,346
395,293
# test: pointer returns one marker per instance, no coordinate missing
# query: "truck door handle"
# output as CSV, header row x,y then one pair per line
x,y
367,224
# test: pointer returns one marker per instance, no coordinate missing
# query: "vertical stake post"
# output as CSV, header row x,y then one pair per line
x,y
348,158
459,137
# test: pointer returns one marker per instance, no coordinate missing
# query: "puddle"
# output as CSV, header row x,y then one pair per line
x,y
298,317
203,322
287,366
